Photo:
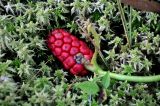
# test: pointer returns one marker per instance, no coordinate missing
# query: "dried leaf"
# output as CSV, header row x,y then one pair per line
x,y
144,5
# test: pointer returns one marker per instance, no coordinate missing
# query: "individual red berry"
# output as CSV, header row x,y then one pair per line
x,y
57,51
75,43
58,43
69,62
58,35
77,68
63,56
67,39
67,49
74,51
51,39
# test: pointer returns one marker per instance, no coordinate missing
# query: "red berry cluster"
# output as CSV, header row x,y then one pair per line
x,y
66,47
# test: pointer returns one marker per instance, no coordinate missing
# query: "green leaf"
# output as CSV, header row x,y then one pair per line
x,y
106,80
88,87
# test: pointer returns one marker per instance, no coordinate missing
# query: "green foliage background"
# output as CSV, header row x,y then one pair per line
x,y
30,75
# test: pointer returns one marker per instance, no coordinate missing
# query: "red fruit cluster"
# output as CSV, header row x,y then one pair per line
x,y
66,47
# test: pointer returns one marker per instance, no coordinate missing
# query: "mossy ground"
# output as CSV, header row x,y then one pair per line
x,y
31,75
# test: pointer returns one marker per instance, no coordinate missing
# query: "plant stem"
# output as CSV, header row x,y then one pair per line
x,y
95,68
124,23
135,78
130,25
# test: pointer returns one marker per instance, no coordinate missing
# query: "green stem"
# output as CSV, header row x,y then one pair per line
x,y
135,78
130,25
95,68
124,22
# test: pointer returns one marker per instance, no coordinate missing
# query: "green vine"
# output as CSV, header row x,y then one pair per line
x,y
94,67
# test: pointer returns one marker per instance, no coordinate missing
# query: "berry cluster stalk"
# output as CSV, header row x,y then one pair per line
x,y
94,67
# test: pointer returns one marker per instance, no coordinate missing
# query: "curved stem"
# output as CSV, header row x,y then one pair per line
x,y
95,68
135,78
